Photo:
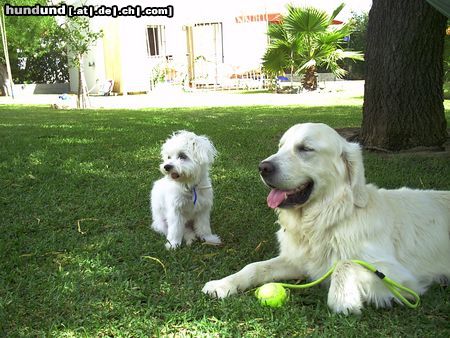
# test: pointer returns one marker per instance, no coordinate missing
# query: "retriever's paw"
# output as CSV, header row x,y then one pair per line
x,y
219,288
346,304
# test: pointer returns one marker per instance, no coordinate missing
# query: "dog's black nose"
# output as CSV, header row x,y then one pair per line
x,y
168,167
266,168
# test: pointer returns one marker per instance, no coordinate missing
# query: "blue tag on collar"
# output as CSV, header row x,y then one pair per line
x,y
194,192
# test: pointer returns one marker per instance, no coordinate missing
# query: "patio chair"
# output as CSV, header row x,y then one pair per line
x,y
106,88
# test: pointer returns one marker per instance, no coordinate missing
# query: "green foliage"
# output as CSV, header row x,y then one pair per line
x,y
77,248
36,51
79,37
359,31
305,40
357,41
48,63
447,55
306,21
38,45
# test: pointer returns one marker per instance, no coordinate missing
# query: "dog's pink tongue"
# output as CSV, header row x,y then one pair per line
x,y
275,198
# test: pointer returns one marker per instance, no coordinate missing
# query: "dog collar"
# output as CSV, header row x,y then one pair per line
x,y
194,192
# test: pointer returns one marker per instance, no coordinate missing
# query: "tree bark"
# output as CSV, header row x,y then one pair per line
x,y
309,80
82,94
80,85
403,94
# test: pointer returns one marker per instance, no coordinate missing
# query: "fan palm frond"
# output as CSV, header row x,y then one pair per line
x,y
305,40
349,54
306,65
307,20
336,12
334,35
277,32
275,60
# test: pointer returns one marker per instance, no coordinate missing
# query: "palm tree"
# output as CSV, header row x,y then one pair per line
x,y
306,40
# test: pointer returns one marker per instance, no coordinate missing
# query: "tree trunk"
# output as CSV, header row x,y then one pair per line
x,y
309,80
292,77
80,85
403,94
82,94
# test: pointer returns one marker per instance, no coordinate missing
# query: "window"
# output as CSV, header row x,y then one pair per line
x,y
156,40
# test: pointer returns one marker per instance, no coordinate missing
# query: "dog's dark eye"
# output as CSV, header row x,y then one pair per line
x,y
302,148
182,156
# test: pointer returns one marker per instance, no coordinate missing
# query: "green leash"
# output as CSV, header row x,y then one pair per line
x,y
392,285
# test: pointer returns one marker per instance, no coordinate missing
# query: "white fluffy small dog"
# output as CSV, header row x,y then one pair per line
x,y
328,214
181,201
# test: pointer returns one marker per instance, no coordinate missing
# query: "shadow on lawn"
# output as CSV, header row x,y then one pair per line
x,y
81,262
80,259
76,230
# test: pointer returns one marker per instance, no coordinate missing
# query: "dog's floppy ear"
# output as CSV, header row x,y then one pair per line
x,y
354,165
204,149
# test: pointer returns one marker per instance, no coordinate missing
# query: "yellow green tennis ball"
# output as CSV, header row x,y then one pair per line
x,y
271,294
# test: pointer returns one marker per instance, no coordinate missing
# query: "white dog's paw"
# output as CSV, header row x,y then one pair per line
x,y
212,239
345,304
219,288
172,245
159,227
189,237
190,240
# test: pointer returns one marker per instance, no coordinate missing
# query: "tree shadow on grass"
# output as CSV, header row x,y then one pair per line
x,y
80,259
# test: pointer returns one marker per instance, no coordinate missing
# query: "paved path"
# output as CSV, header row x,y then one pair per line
x,y
334,93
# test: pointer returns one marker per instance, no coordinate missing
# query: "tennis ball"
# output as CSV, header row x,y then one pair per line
x,y
271,294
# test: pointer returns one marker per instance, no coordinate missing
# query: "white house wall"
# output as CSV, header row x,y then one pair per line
x,y
93,62
94,70
135,69
244,44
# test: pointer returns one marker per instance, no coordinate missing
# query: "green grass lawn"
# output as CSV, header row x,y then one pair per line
x,y
78,258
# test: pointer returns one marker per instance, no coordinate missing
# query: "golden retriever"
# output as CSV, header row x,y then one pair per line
x,y
328,214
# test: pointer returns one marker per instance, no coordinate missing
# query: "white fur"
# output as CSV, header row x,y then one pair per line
x,y
404,233
172,197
